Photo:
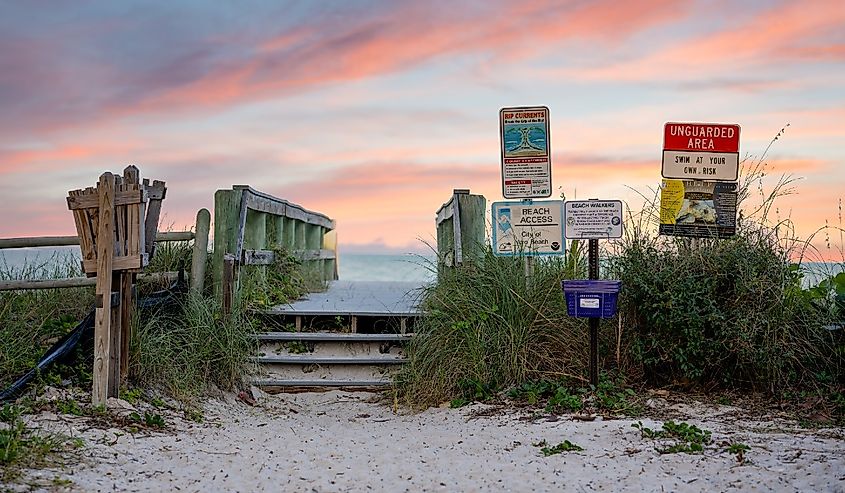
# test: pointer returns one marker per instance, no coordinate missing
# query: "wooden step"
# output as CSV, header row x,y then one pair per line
x,y
272,382
331,337
333,360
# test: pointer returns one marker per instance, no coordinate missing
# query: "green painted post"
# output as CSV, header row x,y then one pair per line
x,y
255,238
300,239
289,234
473,227
227,207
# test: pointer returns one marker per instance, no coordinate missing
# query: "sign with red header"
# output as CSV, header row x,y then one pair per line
x,y
701,151
526,152
712,137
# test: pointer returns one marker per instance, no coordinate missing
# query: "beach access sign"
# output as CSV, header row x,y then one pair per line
x,y
526,152
695,208
593,219
701,151
528,228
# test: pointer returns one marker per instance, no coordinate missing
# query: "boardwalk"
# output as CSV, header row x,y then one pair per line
x,y
359,298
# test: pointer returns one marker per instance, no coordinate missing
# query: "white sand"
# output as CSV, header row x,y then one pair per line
x,y
340,441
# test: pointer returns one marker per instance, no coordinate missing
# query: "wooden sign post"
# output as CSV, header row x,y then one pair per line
x,y
117,223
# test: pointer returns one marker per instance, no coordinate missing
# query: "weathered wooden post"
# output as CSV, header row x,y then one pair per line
x,y
200,252
114,225
461,229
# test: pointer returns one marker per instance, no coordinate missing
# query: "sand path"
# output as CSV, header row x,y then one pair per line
x,y
340,441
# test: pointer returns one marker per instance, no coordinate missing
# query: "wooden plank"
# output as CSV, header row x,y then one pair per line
x,y
199,255
54,241
242,215
73,282
266,257
127,308
123,197
319,254
153,213
456,227
228,283
175,235
115,344
261,201
131,178
40,241
118,263
473,227
102,322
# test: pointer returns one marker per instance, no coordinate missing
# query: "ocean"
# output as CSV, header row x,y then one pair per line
x,y
37,263
47,262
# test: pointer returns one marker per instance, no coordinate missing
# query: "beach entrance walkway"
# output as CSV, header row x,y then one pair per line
x,y
350,336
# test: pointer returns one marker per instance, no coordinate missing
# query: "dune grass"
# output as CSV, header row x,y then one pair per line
x,y
701,313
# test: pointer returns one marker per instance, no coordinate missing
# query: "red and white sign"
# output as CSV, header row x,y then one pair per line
x,y
701,151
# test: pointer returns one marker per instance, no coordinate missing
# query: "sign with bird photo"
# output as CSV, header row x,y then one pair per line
x,y
702,209
526,152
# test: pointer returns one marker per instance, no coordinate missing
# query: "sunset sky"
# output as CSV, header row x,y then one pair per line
x,y
373,111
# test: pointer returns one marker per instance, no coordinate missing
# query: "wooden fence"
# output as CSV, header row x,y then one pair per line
x,y
200,252
249,225
461,229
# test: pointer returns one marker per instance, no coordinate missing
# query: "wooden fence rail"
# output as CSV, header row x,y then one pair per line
x,y
199,255
249,225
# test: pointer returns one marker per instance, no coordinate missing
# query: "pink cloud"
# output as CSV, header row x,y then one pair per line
x,y
791,31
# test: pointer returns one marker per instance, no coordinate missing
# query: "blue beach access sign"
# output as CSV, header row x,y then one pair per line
x,y
528,228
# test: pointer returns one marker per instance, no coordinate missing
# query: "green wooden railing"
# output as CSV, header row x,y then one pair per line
x,y
249,225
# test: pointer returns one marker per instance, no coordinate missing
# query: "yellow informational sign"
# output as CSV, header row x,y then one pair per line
x,y
698,208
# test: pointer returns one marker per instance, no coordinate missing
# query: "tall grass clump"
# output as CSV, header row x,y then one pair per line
x,y
190,348
488,327
32,320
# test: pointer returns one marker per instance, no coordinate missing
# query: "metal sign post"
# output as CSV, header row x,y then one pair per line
x,y
593,220
593,258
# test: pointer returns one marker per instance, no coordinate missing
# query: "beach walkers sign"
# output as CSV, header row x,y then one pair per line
x,y
526,152
701,151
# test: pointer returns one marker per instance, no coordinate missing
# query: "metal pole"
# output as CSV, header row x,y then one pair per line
x,y
593,256
529,270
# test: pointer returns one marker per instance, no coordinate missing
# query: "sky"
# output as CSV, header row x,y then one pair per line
x,y
372,112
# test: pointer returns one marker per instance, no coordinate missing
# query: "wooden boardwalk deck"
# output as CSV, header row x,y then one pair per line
x,y
359,298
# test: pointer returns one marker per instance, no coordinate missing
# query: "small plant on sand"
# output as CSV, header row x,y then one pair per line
x,y
22,447
739,450
564,446
69,406
676,437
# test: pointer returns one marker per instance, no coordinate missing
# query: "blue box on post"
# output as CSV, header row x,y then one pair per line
x,y
591,298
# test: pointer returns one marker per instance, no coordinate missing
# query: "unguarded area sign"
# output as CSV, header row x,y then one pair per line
x,y
528,228
702,209
526,152
701,151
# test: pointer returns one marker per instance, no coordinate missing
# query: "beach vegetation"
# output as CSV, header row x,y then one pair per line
x,y
676,437
23,447
731,314
564,446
